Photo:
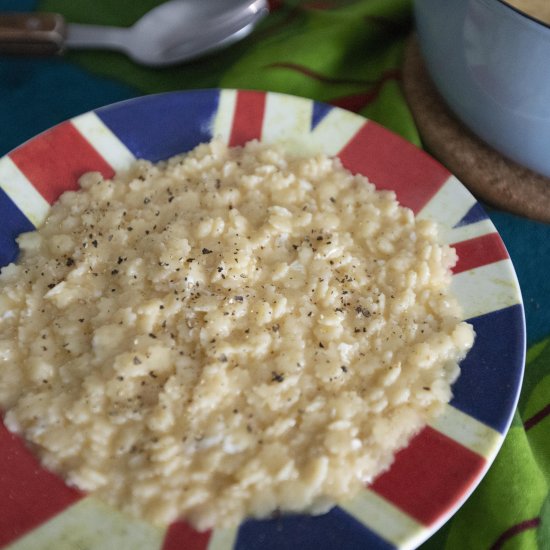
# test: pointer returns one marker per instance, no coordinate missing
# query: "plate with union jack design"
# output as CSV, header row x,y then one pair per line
x,y
441,466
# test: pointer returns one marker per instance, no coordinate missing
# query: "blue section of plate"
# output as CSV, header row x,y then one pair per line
x,y
13,224
158,127
487,389
320,111
475,214
331,531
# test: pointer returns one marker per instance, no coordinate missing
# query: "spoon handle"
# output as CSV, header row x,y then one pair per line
x,y
97,36
32,33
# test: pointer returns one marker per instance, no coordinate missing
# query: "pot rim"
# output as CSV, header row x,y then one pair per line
x,y
524,14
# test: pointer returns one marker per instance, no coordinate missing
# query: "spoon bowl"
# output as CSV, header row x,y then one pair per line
x,y
179,30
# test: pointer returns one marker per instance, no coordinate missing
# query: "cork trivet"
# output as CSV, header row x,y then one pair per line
x,y
489,176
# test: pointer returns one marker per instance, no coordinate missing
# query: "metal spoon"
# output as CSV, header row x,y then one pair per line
x,y
176,31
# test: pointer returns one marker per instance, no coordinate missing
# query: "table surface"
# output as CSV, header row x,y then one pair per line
x,y
347,53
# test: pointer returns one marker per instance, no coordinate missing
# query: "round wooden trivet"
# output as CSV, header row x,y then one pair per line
x,y
489,176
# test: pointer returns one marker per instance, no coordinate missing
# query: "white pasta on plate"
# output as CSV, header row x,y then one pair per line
x,y
227,333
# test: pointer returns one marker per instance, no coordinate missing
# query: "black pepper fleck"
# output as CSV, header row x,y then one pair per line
x,y
277,377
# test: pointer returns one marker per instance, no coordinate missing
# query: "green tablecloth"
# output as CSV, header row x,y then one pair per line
x,y
347,53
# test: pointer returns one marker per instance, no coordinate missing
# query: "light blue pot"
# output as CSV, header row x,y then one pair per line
x,y
491,63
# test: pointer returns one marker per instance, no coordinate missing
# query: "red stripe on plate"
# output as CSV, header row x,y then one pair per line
x,y
392,163
429,476
29,494
478,252
54,160
248,117
181,536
